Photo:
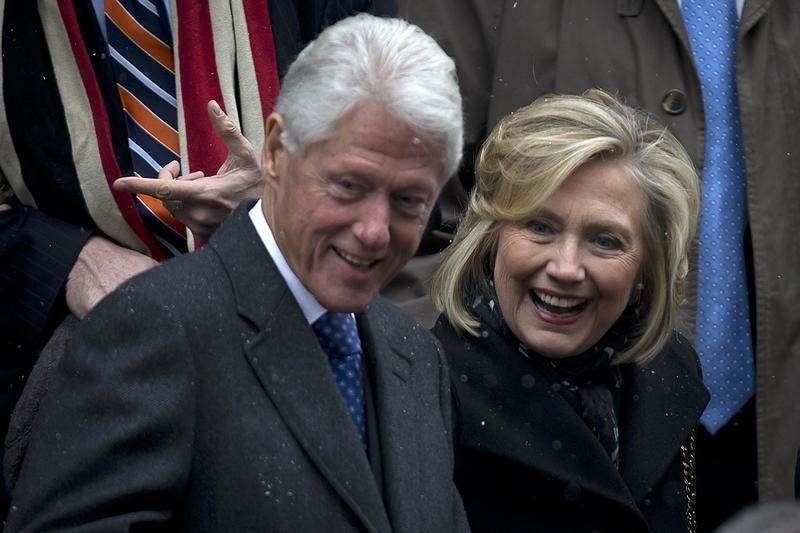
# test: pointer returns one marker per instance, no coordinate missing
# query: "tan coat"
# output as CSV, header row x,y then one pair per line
x,y
511,51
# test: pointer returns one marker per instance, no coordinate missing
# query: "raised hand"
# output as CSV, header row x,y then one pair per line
x,y
202,202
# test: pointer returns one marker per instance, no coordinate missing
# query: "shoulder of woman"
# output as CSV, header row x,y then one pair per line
x,y
681,350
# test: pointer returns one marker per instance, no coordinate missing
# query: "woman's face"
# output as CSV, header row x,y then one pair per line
x,y
566,276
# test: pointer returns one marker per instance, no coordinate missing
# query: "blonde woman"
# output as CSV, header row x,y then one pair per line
x,y
576,398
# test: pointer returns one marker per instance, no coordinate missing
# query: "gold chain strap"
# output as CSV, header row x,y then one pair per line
x,y
687,462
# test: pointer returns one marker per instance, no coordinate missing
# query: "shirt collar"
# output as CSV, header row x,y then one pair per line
x,y
311,308
739,6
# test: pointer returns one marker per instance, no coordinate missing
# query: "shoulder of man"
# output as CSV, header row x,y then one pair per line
x,y
385,316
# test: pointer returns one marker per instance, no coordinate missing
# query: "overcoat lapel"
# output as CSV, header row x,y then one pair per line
x,y
672,11
752,12
662,402
660,405
563,447
553,439
395,404
294,372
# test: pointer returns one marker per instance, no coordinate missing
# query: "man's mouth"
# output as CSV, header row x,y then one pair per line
x,y
358,262
556,305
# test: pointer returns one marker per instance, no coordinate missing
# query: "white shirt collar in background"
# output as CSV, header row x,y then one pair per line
x,y
739,6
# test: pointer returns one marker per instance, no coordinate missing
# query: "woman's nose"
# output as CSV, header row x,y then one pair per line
x,y
566,264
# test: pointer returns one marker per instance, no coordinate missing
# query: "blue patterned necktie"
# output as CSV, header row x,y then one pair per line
x,y
140,46
338,336
723,317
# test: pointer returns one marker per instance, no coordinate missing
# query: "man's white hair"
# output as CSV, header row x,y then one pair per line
x,y
366,59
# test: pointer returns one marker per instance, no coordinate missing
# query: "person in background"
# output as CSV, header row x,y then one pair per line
x,y
260,383
576,400
778,517
722,75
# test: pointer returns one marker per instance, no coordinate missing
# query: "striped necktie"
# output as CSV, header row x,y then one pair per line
x,y
724,340
140,46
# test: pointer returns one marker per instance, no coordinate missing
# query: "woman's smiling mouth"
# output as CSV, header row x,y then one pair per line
x,y
556,305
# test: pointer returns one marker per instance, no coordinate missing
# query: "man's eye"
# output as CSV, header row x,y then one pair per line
x,y
411,200
411,203
346,188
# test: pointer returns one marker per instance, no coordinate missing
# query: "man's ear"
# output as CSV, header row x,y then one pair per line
x,y
274,151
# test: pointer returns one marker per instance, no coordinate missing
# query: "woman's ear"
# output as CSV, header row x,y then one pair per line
x,y
636,293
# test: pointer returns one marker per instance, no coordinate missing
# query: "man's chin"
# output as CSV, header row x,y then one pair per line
x,y
346,299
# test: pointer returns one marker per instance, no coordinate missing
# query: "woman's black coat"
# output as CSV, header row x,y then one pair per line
x,y
526,461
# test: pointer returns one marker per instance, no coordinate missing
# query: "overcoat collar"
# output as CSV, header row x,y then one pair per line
x,y
293,370
530,422
662,402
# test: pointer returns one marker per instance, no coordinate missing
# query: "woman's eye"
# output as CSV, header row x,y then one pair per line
x,y
539,228
607,242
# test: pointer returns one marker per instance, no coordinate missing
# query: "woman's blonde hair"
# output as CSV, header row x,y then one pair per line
x,y
529,154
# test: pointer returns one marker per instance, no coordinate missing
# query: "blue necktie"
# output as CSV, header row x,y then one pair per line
x,y
140,45
338,336
723,317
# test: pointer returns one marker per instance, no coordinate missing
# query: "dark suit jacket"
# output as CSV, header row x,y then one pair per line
x,y
197,398
526,461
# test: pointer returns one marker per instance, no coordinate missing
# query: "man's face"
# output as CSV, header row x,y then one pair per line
x,y
349,212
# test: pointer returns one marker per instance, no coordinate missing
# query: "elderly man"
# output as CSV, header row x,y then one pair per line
x,y
272,389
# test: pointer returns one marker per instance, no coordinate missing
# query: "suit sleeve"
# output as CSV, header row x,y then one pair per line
x,y
38,246
37,253
110,448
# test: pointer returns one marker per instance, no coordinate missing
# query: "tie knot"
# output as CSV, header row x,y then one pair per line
x,y
337,334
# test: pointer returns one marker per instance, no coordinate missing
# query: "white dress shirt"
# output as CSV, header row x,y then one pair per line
x,y
308,304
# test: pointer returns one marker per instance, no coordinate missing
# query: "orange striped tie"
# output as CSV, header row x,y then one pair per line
x,y
139,43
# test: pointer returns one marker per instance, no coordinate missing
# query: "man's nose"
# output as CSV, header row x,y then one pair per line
x,y
565,264
372,227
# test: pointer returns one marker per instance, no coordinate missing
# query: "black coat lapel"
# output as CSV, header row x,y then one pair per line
x,y
294,372
559,444
661,404
515,412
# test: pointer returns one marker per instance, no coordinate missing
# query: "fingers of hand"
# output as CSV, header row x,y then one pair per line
x,y
227,130
170,171
148,186
192,176
162,189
